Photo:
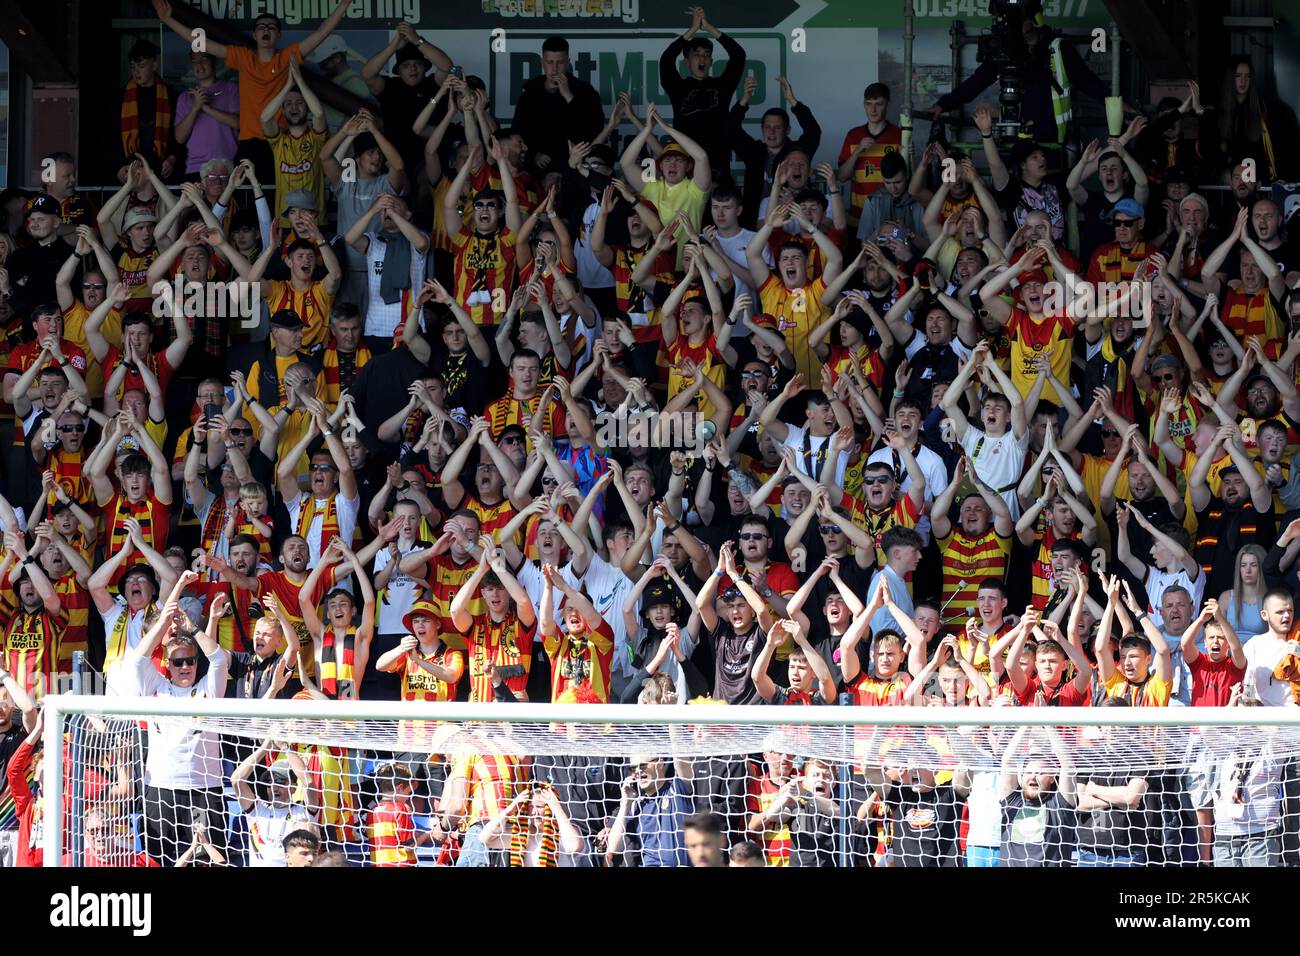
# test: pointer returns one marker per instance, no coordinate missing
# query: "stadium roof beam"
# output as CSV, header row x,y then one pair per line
x,y
38,39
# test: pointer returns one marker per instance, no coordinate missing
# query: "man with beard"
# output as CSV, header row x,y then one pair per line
x,y
736,635
1241,513
236,578
281,589
342,642
1252,305
502,635
125,615
1037,793
329,509
936,347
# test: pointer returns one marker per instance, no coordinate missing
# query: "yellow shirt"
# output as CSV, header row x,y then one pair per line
x,y
797,312
298,165
1153,693
74,330
312,305
669,199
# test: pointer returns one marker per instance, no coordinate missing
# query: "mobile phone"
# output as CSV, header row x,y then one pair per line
x,y
458,72
211,411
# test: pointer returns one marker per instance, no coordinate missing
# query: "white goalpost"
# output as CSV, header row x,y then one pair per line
x,y
835,786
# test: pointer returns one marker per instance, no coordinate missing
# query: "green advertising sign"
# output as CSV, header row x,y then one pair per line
x,y
634,15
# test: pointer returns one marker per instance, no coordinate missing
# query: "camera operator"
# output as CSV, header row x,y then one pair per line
x,y
1038,55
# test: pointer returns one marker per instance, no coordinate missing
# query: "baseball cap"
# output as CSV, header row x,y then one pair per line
x,y
1033,275
287,319
423,607
300,199
1258,377
409,52
331,45
44,203
764,320
136,216
1129,207
673,149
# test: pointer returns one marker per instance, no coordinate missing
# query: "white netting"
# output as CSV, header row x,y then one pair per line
x,y
604,787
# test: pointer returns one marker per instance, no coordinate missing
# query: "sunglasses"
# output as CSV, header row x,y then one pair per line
x,y
752,536
877,479
1167,377
94,285
549,480
183,661
320,467
217,178
831,529
242,432
485,205
512,440
753,373
1125,223
72,428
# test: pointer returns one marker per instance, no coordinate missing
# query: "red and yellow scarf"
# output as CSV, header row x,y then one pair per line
x,y
162,119
329,528
522,831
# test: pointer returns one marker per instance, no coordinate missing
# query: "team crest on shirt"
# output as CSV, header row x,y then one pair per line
x,y
921,818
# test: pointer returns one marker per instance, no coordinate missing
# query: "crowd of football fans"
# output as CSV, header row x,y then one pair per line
x,y
431,403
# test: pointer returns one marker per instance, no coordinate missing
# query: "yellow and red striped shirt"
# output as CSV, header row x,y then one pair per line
x,y
484,264
505,643
970,560
311,304
491,782
392,834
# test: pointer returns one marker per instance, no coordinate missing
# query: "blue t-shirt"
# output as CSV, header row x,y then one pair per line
x,y
657,822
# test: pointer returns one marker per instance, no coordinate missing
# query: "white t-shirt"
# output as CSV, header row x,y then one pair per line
x,y
180,758
347,508
985,810
383,318
607,587
1158,582
998,461
734,247
1263,653
267,828
134,634
808,453
398,595
591,273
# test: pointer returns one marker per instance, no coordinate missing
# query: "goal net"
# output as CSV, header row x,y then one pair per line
x,y
176,782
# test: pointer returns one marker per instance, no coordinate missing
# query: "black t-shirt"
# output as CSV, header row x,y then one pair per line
x,y
32,272
9,742
923,826
470,384
1110,830
381,386
931,363
1221,532
1036,832
812,834
733,659
1097,227
401,104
